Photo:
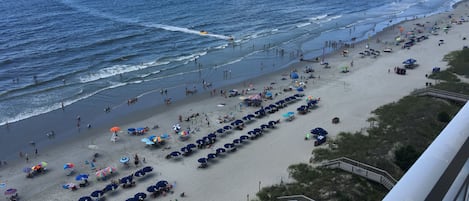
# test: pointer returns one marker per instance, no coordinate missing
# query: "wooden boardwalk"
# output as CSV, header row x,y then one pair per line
x,y
438,93
363,170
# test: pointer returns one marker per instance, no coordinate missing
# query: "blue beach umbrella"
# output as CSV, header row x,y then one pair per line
x,y
211,155
200,141
264,126
227,127
81,177
139,173
220,130
152,189
318,131
236,141
124,159
294,75
202,160
251,132
161,184
244,137
211,136
147,169
110,187
126,180
185,149
220,150
258,130
229,145
191,146
140,196
85,198
272,123
175,153
409,61
97,193
131,199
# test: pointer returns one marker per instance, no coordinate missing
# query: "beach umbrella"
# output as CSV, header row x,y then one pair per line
x,y
124,159
100,174
237,122
264,126
185,149
147,169
115,129
131,130
152,189
258,130
246,118
175,153
176,127
220,150
190,146
229,145
251,132
211,155
132,199
69,166
85,198
110,169
272,123
236,141
139,173
200,141
43,164
68,186
10,191
202,160
299,89
244,137
409,61
165,136
110,187
227,127
318,131
293,97
294,75
81,177
127,179
220,130
97,193
211,136
162,183
141,130
140,196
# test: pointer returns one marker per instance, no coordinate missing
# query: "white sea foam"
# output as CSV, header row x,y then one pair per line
x,y
117,70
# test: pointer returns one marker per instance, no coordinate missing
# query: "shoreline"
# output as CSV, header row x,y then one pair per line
x,y
204,103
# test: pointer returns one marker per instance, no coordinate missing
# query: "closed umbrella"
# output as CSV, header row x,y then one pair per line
x,y
10,191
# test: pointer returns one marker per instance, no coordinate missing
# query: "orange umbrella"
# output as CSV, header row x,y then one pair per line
x,y
115,129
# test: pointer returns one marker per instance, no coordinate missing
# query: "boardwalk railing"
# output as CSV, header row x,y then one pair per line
x,y
363,170
441,94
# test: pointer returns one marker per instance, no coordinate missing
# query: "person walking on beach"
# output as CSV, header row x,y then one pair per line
x,y
136,161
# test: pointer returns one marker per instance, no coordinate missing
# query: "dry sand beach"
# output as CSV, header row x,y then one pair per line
x,y
237,176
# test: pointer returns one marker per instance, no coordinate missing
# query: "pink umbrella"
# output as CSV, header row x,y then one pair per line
x,y
100,174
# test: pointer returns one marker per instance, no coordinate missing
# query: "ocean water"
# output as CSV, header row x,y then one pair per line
x,y
70,51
